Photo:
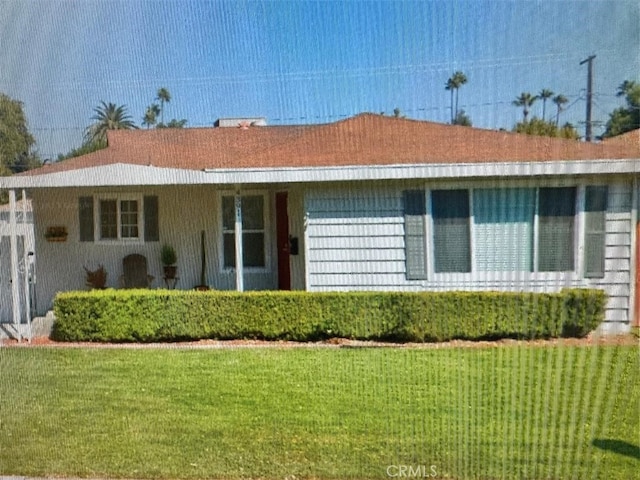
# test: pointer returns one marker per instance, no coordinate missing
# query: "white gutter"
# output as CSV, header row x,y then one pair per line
x,y
139,175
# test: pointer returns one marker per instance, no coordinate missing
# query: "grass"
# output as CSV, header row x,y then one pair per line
x,y
506,412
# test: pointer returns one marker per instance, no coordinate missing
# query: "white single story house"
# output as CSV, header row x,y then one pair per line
x,y
367,203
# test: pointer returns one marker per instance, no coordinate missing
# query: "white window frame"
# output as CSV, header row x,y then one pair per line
x,y
575,275
118,197
267,230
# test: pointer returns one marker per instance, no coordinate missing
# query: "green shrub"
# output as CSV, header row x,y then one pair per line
x,y
164,315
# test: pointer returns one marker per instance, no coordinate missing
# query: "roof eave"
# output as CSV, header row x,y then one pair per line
x,y
137,175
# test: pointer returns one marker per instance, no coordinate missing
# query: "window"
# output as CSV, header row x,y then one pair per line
x,y
556,219
253,231
503,230
108,211
451,234
594,231
119,218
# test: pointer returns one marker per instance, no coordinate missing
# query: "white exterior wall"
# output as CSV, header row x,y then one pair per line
x,y
355,241
183,213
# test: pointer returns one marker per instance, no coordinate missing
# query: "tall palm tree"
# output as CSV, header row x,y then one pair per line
x,y
525,100
454,83
545,94
108,116
163,96
450,85
459,79
559,100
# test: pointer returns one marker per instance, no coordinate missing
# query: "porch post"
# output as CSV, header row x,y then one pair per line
x,y
238,240
25,262
13,247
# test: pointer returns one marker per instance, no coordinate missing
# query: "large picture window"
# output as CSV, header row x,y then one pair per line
x,y
253,231
504,230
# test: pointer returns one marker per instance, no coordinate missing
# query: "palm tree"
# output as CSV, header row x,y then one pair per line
x,y
451,87
525,100
545,94
559,100
454,83
108,116
151,115
163,96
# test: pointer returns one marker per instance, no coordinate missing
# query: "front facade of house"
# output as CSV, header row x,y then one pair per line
x,y
317,224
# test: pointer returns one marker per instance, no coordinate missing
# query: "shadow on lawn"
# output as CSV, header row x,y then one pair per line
x,y
618,446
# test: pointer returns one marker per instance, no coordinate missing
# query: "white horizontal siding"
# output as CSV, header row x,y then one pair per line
x,y
618,226
618,251
317,242
355,238
618,239
370,267
358,255
618,302
617,262
355,230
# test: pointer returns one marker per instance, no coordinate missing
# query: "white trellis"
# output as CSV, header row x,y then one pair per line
x,y
18,268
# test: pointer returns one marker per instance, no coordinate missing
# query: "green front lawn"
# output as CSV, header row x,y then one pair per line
x,y
504,412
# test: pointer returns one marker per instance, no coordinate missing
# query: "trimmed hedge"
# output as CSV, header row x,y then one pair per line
x,y
164,315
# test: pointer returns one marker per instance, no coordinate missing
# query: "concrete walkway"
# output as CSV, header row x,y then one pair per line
x,y
40,327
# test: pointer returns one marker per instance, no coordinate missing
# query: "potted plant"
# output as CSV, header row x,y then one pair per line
x,y
96,278
169,258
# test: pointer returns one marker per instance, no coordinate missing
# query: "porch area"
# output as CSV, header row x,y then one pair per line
x,y
225,238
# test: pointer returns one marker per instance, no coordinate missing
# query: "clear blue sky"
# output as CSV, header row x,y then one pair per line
x,y
308,61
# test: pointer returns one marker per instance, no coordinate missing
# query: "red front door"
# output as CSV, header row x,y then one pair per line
x,y
282,240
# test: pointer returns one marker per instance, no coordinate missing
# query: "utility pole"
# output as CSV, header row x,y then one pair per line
x,y
589,62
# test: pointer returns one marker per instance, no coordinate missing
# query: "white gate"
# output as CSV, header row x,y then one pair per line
x,y
24,268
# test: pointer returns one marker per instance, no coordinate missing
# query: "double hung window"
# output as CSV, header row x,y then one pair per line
x,y
118,218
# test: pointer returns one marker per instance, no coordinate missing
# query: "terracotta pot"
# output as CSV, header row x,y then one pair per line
x,y
170,271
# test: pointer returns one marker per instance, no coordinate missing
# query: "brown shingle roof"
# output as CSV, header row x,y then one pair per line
x,y
629,138
366,139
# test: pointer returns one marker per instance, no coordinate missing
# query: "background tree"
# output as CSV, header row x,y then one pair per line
x,y
545,94
537,126
462,119
85,148
16,142
559,101
453,84
151,115
108,116
525,100
174,123
625,119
